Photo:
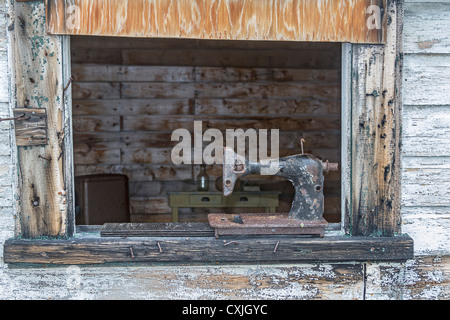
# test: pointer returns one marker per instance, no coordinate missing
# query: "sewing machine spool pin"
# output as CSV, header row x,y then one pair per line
x,y
306,173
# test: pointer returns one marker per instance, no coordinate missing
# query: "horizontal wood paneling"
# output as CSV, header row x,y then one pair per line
x,y
100,72
152,123
132,107
230,58
426,129
426,187
123,115
143,139
245,107
224,90
167,172
107,43
96,90
426,80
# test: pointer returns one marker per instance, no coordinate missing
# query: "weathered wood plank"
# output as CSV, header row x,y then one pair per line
x,y
97,123
226,57
331,281
156,229
376,130
293,123
421,36
427,162
428,226
115,73
157,90
149,139
106,72
427,187
425,278
168,44
143,139
207,249
96,90
31,127
425,80
426,131
228,90
83,155
206,107
299,20
37,74
243,107
132,107
149,155
104,56
140,172
227,74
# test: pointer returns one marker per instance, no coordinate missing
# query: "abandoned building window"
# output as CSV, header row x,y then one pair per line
x,y
130,95
134,101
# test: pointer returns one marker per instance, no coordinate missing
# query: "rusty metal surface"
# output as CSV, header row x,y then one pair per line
x,y
305,171
294,20
255,224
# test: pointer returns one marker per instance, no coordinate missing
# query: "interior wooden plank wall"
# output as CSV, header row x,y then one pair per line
x,y
130,94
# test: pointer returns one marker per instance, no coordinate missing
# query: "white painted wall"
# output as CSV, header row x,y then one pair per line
x,y
426,126
425,207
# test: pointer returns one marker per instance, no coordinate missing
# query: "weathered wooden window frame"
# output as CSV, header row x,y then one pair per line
x,y
371,221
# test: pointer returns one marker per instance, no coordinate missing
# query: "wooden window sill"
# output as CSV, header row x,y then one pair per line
x,y
92,248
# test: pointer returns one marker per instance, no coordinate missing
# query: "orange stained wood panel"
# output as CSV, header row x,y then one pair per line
x,y
356,21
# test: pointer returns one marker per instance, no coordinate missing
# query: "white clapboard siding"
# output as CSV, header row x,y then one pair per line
x,y
426,131
426,29
426,125
426,187
428,227
426,79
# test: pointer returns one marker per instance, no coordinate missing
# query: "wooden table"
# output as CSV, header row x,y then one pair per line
x,y
245,199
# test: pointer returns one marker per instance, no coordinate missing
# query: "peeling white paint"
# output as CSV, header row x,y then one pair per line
x,y
422,278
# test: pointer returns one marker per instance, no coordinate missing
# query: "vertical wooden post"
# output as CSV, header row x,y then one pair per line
x,y
37,72
376,131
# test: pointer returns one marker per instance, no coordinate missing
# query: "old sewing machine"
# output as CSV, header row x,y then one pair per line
x,y
305,171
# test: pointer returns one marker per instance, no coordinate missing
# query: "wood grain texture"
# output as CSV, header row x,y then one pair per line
x,y
207,249
31,128
426,80
37,68
298,20
421,36
376,126
425,278
426,131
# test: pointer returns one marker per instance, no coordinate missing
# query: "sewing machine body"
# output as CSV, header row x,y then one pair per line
x,y
305,172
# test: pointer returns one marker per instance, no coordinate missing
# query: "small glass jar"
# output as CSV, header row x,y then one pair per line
x,y
202,179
